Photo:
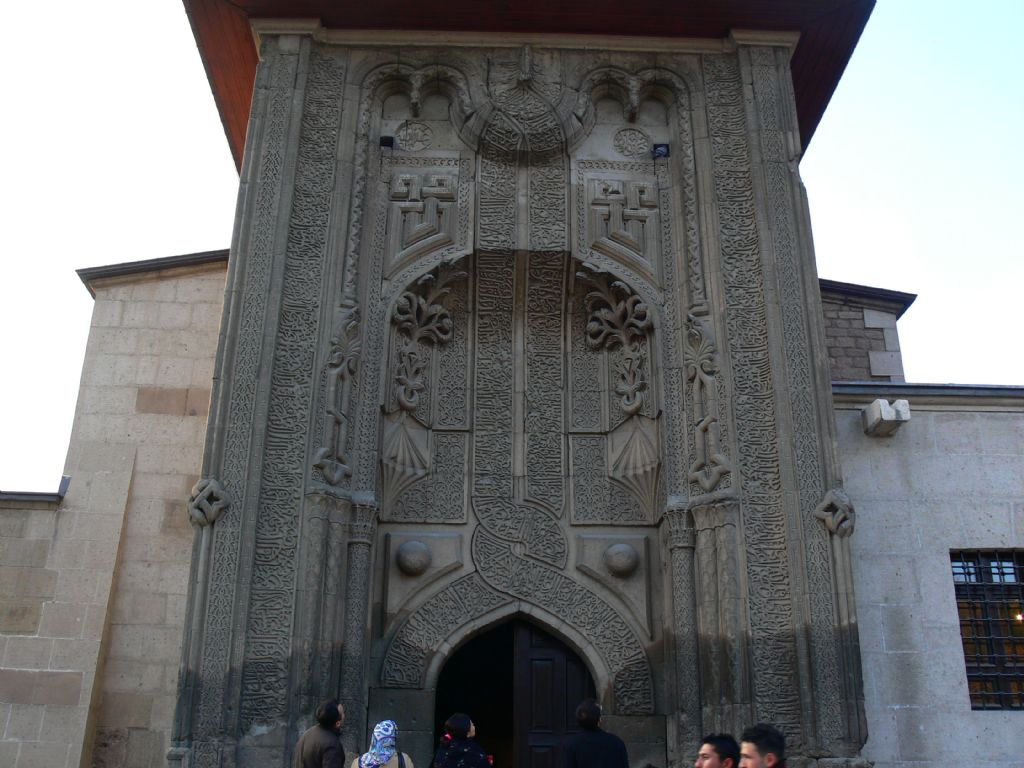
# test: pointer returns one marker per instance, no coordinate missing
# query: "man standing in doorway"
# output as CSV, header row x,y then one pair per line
x,y
320,746
718,750
762,746
593,747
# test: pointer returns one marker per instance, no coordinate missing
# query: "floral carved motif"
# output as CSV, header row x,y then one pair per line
x,y
710,463
422,321
342,365
619,318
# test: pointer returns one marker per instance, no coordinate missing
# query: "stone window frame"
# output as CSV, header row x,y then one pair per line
x,y
989,588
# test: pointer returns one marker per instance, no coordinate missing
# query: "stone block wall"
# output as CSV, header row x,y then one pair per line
x,y
951,478
93,590
861,338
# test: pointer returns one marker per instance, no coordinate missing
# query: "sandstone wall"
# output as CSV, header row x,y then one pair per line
x,y
951,478
94,589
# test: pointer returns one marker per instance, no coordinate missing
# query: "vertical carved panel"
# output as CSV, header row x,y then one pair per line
x,y
453,363
771,615
781,200
272,591
545,299
492,436
276,93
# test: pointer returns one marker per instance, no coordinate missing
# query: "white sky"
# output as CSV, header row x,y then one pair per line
x,y
114,152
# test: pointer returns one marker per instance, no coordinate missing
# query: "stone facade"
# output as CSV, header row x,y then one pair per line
x,y
469,308
484,356
951,478
95,586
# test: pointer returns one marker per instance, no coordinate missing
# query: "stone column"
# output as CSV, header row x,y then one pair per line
x,y
316,639
361,532
688,725
721,618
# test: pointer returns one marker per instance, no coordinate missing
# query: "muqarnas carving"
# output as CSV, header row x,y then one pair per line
x,y
422,321
619,321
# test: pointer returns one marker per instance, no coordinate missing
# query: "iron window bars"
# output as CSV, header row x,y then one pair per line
x,y
990,600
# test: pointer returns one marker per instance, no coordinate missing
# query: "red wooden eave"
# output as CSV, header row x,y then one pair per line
x,y
829,30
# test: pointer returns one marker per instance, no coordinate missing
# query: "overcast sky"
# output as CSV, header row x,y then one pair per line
x,y
114,152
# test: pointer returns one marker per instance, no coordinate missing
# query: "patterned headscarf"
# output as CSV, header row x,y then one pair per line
x,y
382,745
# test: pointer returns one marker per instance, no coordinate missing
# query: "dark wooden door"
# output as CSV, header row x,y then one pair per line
x,y
549,681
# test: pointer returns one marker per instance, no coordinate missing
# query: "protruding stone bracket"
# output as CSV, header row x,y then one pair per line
x,y
207,502
882,419
837,513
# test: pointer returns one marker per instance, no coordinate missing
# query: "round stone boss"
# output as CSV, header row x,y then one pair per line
x,y
413,558
621,559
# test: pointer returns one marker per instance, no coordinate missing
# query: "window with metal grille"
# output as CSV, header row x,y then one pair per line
x,y
990,600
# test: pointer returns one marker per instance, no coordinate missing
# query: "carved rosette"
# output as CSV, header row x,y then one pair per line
x,y
421,320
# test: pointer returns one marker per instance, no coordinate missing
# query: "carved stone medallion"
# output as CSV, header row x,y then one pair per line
x,y
414,136
632,142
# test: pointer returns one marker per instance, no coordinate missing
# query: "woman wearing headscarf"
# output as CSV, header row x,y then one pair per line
x,y
383,752
458,749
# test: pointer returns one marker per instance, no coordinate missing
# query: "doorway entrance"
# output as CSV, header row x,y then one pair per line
x,y
521,687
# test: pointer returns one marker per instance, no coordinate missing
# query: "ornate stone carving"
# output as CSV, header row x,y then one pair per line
x,y
721,612
207,502
619,319
807,399
413,558
440,497
379,304
421,635
709,463
362,527
421,320
405,454
342,364
424,214
545,391
623,216
635,459
774,661
621,560
632,142
681,540
837,513
244,372
414,136
270,567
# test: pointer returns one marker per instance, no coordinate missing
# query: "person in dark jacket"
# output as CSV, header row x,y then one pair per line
x,y
457,748
320,746
593,747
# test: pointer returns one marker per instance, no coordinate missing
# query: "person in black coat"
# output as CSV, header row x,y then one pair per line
x,y
593,747
458,749
320,746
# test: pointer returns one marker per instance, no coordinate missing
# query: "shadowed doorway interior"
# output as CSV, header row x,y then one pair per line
x,y
521,687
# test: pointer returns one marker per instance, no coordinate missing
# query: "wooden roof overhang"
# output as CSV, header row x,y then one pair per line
x,y
828,32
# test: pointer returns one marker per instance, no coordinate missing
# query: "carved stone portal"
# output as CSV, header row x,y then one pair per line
x,y
509,365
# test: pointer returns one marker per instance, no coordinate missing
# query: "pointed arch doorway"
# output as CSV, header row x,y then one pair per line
x,y
521,686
